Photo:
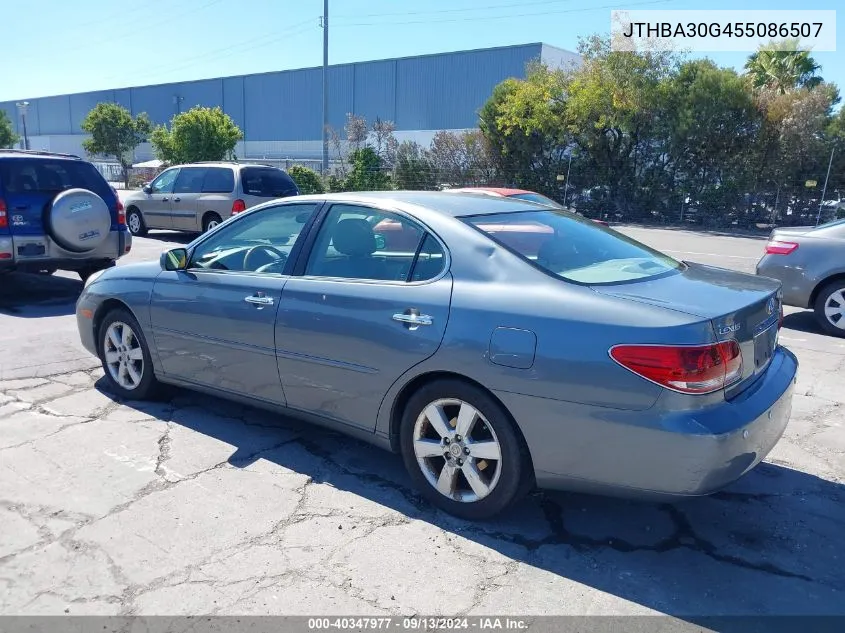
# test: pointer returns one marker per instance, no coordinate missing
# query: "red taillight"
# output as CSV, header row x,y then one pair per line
x,y
688,369
238,206
777,247
121,213
4,219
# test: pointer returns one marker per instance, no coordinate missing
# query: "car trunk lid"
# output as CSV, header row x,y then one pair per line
x,y
741,307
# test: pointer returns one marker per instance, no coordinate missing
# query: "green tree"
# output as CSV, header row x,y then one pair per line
x,y
7,133
196,135
114,132
713,125
307,180
366,173
780,66
524,126
413,168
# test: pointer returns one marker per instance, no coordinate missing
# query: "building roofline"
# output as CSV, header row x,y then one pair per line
x,y
538,45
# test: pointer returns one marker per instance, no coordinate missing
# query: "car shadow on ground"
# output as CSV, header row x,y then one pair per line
x,y
803,322
770,544
172,237
35,296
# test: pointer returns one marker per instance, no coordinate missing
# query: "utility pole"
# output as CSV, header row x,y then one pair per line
x,y
566,184
22,106
824,188
325,25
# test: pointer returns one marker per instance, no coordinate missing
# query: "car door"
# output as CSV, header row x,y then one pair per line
x,y
214,323
155,207
372,302
186,191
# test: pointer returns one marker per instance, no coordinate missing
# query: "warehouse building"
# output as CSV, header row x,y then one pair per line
x,y
280,113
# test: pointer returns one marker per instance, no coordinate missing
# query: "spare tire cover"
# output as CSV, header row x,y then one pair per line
x,y
78,220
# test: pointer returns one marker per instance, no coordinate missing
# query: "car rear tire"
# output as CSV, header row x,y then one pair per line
x,y
135,222
125,356
830,308
210,221
463,451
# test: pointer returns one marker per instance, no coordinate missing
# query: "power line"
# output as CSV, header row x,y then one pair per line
x,y
499,17
464,10
269,38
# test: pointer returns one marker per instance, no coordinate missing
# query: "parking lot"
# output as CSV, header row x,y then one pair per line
x,y
196,506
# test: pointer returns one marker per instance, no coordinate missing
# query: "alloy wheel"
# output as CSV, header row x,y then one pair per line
x,y
457,450
834,308
134,223
123,355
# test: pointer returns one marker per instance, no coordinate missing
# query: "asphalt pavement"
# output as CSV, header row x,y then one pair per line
x,y
193,505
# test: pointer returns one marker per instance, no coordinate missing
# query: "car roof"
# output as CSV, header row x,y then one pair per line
x,y
454,204
35,155
500,191
223,163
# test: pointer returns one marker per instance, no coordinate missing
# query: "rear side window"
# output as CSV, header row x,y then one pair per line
x,y
218,180
267,182
52,176
573,248
190,180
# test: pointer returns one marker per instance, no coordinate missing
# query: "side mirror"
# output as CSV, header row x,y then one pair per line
x,y
147,189
175,259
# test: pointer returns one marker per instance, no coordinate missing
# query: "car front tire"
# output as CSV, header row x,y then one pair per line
x,y
125,356
463,451
829,308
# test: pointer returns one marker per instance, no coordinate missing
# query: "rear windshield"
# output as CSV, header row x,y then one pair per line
x,y
52,176
536,197
573,248
267,182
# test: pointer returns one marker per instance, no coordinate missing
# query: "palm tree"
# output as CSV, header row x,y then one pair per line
x,y
783,67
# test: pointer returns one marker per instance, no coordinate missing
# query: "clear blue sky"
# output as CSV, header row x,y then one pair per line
x,y
56,47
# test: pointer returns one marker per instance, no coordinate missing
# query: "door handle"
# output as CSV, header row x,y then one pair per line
x,y
259,299
413,319
177,199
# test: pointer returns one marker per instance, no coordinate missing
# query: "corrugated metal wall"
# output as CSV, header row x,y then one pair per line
x,y
431,92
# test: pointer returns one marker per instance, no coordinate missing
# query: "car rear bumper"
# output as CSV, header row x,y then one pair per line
x,y
654,454
797,288
37,252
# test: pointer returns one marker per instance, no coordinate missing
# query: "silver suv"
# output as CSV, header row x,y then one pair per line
x,y
57,212
199,196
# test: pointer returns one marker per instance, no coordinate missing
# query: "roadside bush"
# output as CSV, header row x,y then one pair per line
x,y
306,179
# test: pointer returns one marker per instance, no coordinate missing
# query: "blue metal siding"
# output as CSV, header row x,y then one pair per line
x,y
375,90
81,104
233,100
341,82
417,93
446,91
156,101
207,93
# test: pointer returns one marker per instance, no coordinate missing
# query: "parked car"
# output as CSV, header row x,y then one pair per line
x,y
810,262
521,194
57,212
495,343
199,196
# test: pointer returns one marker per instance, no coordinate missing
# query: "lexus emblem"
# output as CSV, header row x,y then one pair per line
x,y
770,307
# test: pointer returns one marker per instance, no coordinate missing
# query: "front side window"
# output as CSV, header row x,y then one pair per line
x,y
358,242
259,242
573,248
164,181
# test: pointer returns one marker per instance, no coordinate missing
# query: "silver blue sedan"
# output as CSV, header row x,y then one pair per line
x,y
495,343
